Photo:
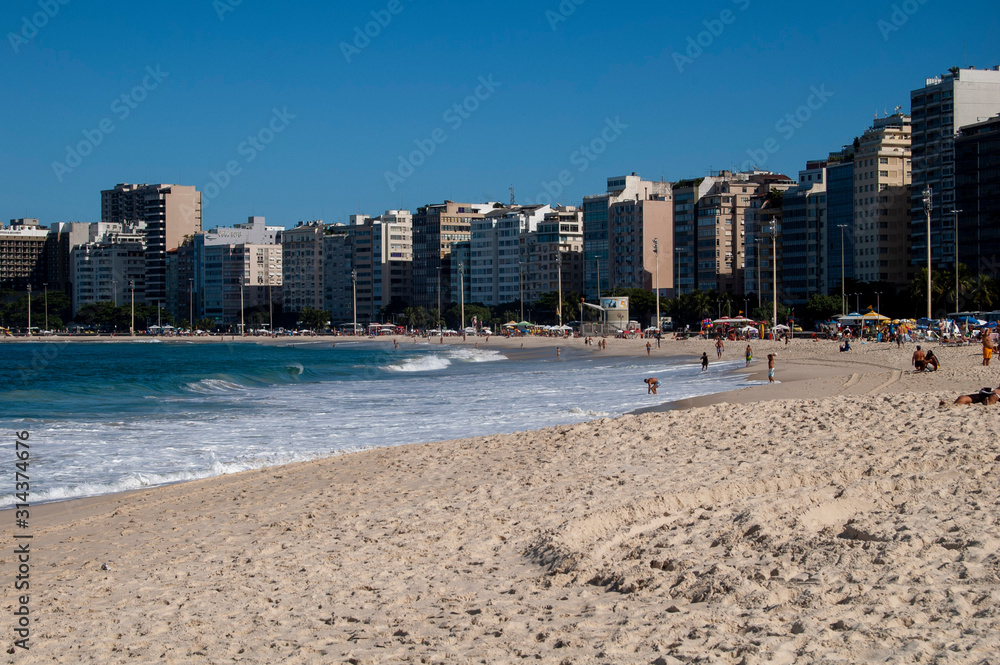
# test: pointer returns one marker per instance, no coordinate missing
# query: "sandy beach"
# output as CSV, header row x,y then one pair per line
x,y
840,515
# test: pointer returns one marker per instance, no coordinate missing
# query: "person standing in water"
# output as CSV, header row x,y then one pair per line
x,y
704,361
749,355
770,368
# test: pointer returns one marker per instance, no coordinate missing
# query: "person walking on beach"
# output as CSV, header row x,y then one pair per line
x,y
749,355
649,348
987,347
719,347
704,361
652,383
770,368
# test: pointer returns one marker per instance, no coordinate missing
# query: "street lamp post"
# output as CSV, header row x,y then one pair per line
x,y
243,326
774,267
760,302
843,296
878,302
114,284
191,303
131,325
439,302
354,289
656,287
955,212
559,276
29,310
520,286
461,291
928,205
46,286
270,305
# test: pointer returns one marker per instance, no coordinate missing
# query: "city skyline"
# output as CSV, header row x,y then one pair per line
x,y
316,119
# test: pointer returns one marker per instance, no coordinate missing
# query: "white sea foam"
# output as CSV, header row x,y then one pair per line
x,y
213,387
476,355
429,363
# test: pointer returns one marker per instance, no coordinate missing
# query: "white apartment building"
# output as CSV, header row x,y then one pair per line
x,y
104,268
495,252
945,104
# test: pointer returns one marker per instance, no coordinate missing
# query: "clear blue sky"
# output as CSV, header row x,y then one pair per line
x,y
560,79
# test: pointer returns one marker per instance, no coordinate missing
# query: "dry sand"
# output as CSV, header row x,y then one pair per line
x,y
839,516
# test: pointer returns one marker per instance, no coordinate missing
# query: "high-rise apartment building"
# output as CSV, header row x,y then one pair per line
x,y
552,256
110,266
977,197
435,228
22,254
495,252
632,255
302,263
597,226
804,236
939,109
339,277
170,212
840,220
882,178
237,269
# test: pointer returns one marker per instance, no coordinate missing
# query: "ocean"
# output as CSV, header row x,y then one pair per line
x,y
107,417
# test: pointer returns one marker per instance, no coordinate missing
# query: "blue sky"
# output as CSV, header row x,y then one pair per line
x,y
282,110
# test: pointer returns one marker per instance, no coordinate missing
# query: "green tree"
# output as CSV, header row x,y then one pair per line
x,y
820,308
983,292
314,319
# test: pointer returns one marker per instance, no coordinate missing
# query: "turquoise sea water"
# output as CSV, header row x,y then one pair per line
x,y
108,417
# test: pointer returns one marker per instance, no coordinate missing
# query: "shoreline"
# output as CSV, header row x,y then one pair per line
x,y
845,522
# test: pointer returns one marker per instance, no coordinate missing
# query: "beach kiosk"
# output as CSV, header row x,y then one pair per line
x,y
615,313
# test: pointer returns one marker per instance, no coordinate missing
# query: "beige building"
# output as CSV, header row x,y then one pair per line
x,y
171,213
633,257
553,254
882,178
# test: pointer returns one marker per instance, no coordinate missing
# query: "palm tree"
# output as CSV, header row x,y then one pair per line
x,y
983,292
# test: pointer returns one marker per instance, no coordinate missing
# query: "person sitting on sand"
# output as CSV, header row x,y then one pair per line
x,y
984,396
931,363
919,360
846,346
652,383
704,361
